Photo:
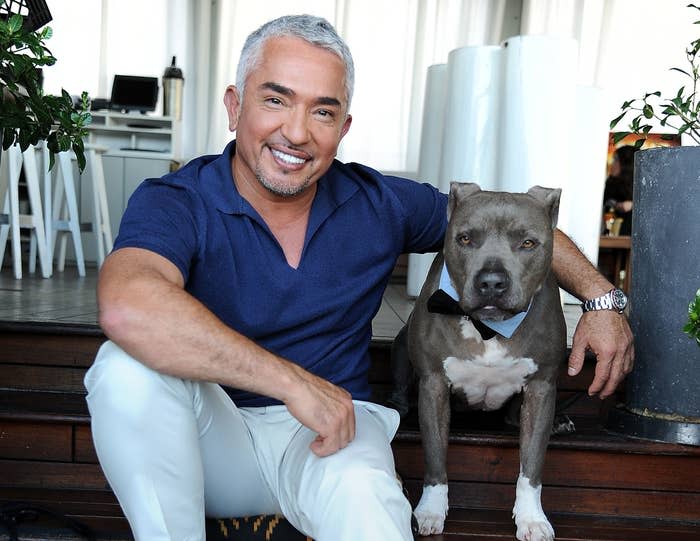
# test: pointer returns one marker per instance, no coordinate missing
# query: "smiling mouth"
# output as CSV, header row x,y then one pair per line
x,y
287,158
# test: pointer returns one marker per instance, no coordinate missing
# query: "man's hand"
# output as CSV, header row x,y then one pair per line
x,y
326,409
607,334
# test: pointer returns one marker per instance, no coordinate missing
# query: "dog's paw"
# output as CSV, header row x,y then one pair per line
x,y
535,530
431,510
530,520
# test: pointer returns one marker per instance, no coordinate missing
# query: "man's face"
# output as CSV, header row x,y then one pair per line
x,y
292,118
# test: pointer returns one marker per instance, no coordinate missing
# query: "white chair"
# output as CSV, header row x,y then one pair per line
x,y
65,214
101,226
12,220
62,210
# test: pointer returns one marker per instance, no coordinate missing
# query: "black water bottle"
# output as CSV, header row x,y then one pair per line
x,y
173,82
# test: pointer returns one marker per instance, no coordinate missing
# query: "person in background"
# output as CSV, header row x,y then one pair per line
x,y
619,187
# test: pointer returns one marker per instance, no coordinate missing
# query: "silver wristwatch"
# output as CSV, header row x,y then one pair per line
x,y
615,299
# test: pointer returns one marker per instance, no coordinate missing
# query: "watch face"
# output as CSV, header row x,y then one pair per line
x,y
619,299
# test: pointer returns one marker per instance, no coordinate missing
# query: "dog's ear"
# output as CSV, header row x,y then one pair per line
x,y
458,191
550,197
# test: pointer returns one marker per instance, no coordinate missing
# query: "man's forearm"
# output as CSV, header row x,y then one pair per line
x,y
163,326
574,272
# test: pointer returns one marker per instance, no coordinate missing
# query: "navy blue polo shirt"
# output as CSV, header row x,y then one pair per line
x,y
318,315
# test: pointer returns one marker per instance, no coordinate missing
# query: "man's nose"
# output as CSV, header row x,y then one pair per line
x,y
296,126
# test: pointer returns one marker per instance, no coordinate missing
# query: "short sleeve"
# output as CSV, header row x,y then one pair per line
x,y
425,209
162,217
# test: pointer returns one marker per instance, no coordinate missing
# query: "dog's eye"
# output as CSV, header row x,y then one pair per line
x,y
528,243
464,239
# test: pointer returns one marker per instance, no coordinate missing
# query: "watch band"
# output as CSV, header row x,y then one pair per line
x,y
615,299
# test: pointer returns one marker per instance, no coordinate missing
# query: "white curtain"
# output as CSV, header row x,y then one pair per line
x,y
393,42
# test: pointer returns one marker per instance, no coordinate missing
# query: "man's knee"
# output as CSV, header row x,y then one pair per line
x,y
360,483
374,494
124,386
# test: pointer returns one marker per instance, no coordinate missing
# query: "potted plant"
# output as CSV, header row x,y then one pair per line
x,y
27,115
661,398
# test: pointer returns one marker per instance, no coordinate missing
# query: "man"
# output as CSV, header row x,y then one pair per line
x,y
260,270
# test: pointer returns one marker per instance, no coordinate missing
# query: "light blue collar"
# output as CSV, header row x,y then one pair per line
x,y
505,328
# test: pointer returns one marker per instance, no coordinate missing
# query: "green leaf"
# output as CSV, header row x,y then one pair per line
x,y
682,71
615,120
668,110
639,142
8,137
64,142
80,156
648,111
692,327
14,24
619,136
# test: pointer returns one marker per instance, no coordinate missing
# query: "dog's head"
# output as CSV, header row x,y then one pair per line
x,y
498,247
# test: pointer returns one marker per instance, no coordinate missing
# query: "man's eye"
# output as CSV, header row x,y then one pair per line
x,y
325,113
273,101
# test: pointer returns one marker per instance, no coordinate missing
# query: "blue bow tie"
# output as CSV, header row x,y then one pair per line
x,y
445,301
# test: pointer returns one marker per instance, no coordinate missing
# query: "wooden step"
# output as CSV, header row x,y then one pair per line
x,y
461,525
590,471
597,485
479,524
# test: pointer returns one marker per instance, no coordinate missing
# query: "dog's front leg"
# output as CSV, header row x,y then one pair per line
x,y
536,416
434,417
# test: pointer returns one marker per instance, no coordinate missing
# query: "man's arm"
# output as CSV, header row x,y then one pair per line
x,y
606,333
144,309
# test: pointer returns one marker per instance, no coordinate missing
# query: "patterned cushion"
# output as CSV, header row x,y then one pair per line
x,y
258,528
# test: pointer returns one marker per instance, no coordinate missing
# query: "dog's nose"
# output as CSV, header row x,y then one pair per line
x,y
491,283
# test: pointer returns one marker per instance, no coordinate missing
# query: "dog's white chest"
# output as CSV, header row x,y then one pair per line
x,y
491,378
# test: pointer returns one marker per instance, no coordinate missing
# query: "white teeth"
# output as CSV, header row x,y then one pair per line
x,y
286,158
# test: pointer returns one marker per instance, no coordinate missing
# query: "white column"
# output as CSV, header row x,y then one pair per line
x,y
429,162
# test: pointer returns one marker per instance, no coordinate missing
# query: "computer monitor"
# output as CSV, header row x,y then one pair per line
x,y
133,93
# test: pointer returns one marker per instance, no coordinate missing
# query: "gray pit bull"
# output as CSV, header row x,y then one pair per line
x,y
494,272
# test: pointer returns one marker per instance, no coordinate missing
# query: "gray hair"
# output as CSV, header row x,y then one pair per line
x,y
314,30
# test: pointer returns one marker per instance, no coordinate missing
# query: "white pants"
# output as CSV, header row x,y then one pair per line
x,y
174,451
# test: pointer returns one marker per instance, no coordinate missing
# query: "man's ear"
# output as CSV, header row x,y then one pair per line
x,y
346,126
232,101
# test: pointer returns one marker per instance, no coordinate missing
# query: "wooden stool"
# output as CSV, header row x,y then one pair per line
x,y
62,210
65,211
14,221
101,226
